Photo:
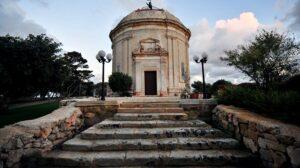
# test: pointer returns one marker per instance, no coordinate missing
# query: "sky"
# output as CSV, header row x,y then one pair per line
x,y
216,25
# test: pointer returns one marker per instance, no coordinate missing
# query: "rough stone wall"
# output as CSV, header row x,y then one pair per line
x,y
96,111
199,108
276,143
28,138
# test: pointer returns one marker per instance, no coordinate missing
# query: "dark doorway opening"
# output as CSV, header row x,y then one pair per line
x,y
150,83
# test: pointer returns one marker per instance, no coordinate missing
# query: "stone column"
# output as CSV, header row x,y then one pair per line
x,y
129,54
138,80
163,73
124,56
176,71
170,70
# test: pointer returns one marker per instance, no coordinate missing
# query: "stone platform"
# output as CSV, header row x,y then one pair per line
x,y
149,139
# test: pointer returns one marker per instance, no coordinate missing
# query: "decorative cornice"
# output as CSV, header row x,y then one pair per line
x,y
141,22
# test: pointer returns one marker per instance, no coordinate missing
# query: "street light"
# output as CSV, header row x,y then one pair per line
x,y
203,60
103,58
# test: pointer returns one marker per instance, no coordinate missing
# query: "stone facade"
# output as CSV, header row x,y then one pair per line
x,y
152,40
277,144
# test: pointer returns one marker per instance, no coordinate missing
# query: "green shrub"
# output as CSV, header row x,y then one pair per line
x,y
292,83
120,82
219,85
276,104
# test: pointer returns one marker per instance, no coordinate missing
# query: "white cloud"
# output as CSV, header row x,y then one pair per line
x,y
13,21
224,35
294,16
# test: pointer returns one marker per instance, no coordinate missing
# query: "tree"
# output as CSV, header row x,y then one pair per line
x,y
33,66
120,82
75,73
219,84
27,65
267,60
198,87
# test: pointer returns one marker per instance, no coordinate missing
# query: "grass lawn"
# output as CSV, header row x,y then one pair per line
x,y
27,113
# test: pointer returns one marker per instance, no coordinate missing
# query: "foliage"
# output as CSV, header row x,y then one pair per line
x,y
292,83
75,74
120,82
33,66
249,85
219,85
27,65
198,87
268,60
276,104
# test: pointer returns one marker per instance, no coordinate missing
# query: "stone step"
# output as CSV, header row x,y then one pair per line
x,y
149,116
151,110
151,124
149,104
137,133
59,158
78,144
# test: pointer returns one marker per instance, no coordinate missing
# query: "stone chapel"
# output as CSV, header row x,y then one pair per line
x,y
151,45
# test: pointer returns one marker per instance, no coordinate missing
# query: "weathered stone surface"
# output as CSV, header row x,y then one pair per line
x,y
149,104
150,124
151,110
274,139
147,158
249,143
149,116
26,137
294,155
149,139
278,158
266,155
127,133
268,144
78,144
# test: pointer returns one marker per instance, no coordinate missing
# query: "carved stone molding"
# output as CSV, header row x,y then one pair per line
x,y
149,47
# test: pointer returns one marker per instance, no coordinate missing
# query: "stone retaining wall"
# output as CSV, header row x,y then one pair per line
x,y
96,111
199,108
31,137
276,143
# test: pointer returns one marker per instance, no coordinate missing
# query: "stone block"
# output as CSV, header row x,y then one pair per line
x,y
287,140
252,126
269,137
19,143
266,155
279,159
252,134
268,144
243,128
249,143
294,155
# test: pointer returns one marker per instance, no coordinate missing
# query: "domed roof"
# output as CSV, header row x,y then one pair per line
x,y
146,15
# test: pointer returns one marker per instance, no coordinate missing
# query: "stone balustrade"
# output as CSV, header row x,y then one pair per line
x,y
276,143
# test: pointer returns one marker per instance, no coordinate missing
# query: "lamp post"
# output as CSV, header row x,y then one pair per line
x,y
203,60
103,58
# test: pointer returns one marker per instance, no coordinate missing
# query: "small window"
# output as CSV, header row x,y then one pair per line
x,y
118,68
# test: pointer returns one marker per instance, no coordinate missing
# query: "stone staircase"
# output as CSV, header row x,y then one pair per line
x,y
149,135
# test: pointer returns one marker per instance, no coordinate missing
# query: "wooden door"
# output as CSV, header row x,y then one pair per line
x,y
150,83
